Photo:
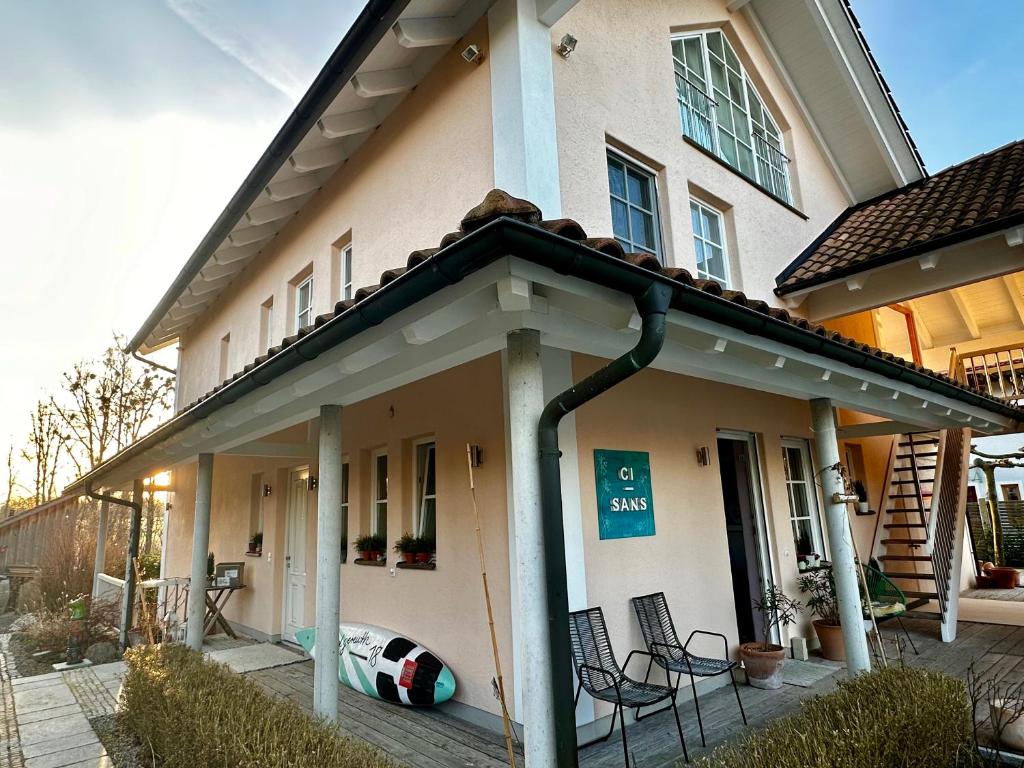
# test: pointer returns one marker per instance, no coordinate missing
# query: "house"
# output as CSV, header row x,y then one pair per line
x,y
476,206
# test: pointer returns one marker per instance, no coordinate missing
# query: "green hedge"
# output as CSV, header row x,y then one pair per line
x,y
190,712
904,718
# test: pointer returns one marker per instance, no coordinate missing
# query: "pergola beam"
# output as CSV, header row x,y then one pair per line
x,y
964,310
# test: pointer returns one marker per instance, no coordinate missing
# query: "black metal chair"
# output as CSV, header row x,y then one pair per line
x,y
662,641
601,676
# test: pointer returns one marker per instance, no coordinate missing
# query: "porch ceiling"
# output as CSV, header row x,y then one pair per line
x,y
500,274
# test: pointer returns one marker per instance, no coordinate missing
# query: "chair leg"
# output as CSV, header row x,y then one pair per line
x,y
622,724
905,632
679,727
637,717
599,739
736,690
696,703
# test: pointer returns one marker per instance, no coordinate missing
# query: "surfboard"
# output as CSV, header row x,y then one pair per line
x,y
387,666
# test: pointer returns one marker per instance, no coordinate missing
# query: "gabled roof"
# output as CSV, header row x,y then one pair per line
x,y
980,196
503,225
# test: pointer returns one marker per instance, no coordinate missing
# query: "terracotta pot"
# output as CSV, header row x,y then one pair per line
x,y
369,554
252,548
1004,578
830,636
1011,731
764,668
422,557
409,557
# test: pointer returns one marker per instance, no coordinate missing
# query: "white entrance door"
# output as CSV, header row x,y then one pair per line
x,y
295,555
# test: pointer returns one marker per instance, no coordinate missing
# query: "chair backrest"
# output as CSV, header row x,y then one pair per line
x,y
880,588
591,646
655,621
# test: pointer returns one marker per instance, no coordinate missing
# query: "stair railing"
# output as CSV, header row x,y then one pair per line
x,y
933,509
947,518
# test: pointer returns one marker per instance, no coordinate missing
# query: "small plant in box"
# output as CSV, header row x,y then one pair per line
x,y
407,546
370,546
256,542
425,547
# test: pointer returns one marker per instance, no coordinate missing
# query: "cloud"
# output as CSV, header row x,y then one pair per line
x,y
256,50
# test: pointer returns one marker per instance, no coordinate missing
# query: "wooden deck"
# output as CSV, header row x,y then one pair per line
x,y
426,738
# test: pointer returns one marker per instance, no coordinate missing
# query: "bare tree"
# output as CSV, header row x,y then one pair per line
x,y
107,404
46,445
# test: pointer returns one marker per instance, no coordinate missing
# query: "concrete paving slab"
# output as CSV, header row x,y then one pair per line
x,y
103,762
58,728
39,681
27,718
252,657
88,752
113,671
42,698
59,744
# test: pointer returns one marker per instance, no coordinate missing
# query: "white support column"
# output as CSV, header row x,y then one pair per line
x,y
523,105
200,550
328,565
844,566
525,403
101,547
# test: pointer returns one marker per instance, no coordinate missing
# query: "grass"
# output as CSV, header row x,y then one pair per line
x,y
903,718
189,712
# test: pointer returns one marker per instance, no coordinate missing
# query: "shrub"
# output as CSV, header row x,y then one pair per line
x,y
192,712
48,629
894,717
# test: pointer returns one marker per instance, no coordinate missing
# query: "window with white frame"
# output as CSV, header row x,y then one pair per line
x,y
709,243
346,272
304,303
344,509
803,499
379,503
720,110
634,201
267,325
425,515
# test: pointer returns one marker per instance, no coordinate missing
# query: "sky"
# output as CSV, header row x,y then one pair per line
x,y
126,125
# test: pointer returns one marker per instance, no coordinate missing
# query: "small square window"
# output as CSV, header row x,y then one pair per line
x,y
634,204
709,243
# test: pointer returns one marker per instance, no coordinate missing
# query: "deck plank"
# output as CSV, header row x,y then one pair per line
x,y
434,738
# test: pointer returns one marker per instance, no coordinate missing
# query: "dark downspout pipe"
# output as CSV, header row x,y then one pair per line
x,y
128,598
652,306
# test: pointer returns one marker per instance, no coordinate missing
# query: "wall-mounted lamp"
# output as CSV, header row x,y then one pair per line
x,y
472,54
476,455
312,483
703,456
566,45
267,490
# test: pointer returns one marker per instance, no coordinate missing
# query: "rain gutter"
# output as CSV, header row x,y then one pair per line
x,y
509,237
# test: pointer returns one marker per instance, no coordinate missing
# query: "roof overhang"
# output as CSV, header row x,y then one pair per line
x,y
923,272
460,305
821,53
390,48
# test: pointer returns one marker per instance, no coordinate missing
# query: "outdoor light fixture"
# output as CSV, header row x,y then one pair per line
x,y
472,54
566,45
312,483
476,455
703,456
267,489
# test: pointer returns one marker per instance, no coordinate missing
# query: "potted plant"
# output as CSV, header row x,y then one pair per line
x,y
256,543
370,546
210,565
862,498
763,660
407,546
821,590
424,550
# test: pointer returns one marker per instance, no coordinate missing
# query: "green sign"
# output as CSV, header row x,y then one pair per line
x,y
625,501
